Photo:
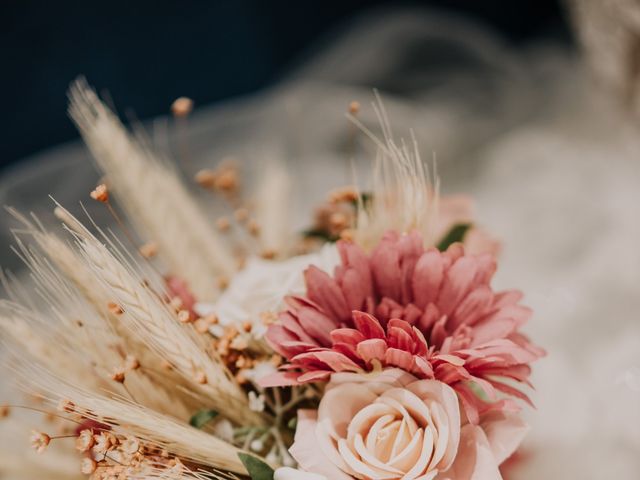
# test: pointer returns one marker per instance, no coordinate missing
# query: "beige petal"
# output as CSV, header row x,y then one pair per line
x,y
425,458
340,404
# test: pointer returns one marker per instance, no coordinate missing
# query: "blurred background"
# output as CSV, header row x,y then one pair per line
x,y
147,53
530,107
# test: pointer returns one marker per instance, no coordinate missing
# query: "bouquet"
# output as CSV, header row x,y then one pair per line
x,y
370,345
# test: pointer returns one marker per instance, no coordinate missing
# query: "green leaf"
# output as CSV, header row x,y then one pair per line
x,y
258,470
292,423
366,198
456,234
201,418
319,234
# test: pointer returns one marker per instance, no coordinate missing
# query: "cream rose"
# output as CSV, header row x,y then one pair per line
x,y
391,426
380,426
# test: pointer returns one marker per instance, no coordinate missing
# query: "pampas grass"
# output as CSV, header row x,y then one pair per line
x,y
404,192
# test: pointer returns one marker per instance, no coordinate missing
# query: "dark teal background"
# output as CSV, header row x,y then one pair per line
x,y
147,53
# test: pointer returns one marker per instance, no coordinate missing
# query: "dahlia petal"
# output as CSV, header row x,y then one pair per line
x,y
385,268
503,347
388,308
289,320
398,358
422,367
347,335
278,336
317,325
427,278
410,247
452,359
368,325
473,307
355,290
372,349
519,373
449,374
486,268
453,253
498,328
336,361
349,351
400,339
517,314
412,314
508,297
470,402
279,379
354,258
457,281
315,376
524,342
429,317
486,387
323,290
439,332
400,324
509,390
421,347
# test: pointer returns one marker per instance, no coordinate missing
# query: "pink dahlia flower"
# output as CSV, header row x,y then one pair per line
x,y
430,313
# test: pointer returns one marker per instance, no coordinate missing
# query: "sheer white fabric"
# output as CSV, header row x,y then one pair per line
x,y
552,163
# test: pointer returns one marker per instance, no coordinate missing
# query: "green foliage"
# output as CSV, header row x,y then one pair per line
x,y
201,418
258,470
456,234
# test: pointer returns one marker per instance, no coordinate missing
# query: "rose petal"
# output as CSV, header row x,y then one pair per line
x,y
306,452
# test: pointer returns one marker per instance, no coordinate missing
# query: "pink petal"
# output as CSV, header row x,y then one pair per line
x,y
373,349
316,376
316,324
398,358
486,268
397,337
368,325
347,335
427,278
385,267
457,282
335,361
473,307
323,290
279,379
505,432
429,317
475,460
306,452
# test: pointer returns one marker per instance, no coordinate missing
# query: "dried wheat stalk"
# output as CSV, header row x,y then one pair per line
x,y
153,195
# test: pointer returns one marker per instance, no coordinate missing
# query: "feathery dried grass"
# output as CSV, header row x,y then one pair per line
x,y
74,311
153,196
405,197
127,418
273,199
153,322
